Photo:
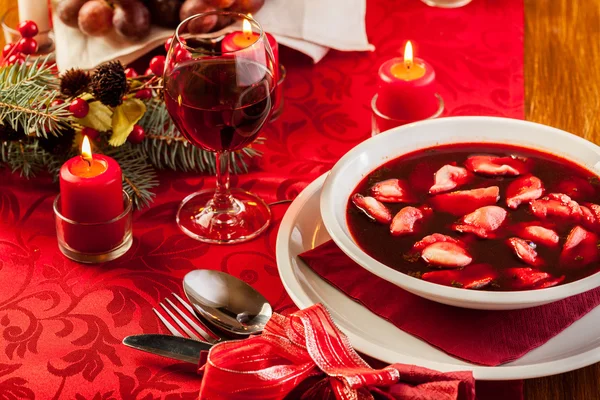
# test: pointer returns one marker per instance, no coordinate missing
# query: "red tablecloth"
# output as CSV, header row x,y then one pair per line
x,y
61,323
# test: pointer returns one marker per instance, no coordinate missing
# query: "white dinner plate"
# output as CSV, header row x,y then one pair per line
x,y
302,229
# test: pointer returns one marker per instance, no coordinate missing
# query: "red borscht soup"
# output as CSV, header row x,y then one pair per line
x,y
481,216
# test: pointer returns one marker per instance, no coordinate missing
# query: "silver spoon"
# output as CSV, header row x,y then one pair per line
x,y
226,301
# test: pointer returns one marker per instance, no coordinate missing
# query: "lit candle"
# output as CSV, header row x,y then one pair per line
x,y
91,192
243,42
407,88
239,40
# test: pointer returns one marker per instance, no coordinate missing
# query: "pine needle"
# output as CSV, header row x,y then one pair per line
x,y
26,92
168,149
139,177
25,158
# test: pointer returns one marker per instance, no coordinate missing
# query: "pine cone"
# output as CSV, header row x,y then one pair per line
x,y
8,134
60,144
109,83
74,82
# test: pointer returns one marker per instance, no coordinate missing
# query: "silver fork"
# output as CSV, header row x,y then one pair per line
x,y
206,334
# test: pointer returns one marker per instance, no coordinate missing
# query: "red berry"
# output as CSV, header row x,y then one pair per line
x,y
170,40
91,133
148,72
57,103
79,108
157,65
8,49
27,46
144,94
137,135
168,43
182,55
130,73
15,58
28,29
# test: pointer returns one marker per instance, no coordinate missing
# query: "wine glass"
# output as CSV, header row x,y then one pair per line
x,y
220,100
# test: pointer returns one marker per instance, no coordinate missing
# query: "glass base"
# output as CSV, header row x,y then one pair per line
x,y
97,258
247,219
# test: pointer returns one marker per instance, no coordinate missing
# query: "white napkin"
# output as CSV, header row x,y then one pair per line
x,y
309,26
337,24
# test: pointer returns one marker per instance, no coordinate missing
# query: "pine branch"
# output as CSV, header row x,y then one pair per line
x,y
25,157
167,149
157,120
54,162
177,154
38,73
26,92
139,177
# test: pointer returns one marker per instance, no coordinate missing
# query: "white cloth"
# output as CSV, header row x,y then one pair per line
x,y
309,26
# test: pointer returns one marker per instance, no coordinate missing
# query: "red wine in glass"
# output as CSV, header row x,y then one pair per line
x,y
220,104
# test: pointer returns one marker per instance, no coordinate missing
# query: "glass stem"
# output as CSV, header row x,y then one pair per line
x,y
222,200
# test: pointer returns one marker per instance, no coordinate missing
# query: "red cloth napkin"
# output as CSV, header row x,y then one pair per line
x,y
485,390
478,336
305,356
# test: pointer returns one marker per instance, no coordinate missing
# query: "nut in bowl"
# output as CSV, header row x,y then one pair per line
x,y
474,212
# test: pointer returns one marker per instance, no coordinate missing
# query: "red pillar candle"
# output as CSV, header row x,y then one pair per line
x,y
407,88
244,40
239,40
91,192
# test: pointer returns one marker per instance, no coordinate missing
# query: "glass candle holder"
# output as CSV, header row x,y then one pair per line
x,y
9,23
94,242
381,122
446,3
278,103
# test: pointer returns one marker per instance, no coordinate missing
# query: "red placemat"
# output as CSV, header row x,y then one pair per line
x,y
61,323
478,336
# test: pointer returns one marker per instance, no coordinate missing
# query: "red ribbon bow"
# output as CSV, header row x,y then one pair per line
x,y
305,356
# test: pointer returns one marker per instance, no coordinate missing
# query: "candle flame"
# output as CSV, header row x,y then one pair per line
x,y
247,27
408,54
86,149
